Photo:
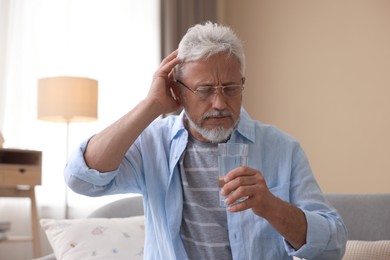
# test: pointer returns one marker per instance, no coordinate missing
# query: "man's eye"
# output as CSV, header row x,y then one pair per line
x,y
205,90
232,89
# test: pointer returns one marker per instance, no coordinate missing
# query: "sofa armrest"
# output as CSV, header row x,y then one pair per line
x,y
366,215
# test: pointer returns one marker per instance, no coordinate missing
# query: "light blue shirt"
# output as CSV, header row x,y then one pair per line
x,y
151,168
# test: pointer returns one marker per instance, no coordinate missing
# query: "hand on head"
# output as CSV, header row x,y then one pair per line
x,y
163,90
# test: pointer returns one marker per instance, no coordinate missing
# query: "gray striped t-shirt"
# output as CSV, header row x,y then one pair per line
x,y
204,225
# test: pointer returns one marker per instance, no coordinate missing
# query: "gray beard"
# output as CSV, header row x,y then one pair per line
x,y
216,135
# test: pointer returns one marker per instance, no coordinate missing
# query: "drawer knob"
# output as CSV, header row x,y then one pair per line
x,y
22,170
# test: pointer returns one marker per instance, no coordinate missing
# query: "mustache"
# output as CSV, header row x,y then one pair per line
x,y
216,113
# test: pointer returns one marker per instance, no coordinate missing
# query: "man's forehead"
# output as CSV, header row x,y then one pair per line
x,y
212,65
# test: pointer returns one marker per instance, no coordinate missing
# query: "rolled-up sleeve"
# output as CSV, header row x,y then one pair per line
x,y
326,236
81,179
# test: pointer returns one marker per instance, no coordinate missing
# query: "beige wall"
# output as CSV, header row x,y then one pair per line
x,y
320,70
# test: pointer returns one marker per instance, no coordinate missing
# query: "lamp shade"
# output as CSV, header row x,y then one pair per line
x,y
69,99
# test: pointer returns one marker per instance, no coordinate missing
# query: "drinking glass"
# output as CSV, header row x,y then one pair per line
x,y
230,156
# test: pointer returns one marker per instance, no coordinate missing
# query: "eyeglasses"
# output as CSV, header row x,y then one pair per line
x,y
206,92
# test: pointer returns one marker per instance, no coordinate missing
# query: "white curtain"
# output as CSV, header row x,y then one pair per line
x,y
116,42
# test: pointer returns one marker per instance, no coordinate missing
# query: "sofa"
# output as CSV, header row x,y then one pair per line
x,y
124,216
367,217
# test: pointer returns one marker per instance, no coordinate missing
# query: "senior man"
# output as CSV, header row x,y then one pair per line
x,y
172,162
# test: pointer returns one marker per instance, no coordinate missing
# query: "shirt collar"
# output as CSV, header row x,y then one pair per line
x,y
178,125
246,126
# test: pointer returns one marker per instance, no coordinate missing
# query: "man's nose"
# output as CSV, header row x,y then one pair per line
x,y
219,100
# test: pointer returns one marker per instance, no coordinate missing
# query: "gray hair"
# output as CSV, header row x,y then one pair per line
x,y
204,40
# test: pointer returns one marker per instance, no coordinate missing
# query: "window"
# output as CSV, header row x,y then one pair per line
x,y
116,42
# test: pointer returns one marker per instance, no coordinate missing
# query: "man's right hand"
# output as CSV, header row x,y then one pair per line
x,y
164,91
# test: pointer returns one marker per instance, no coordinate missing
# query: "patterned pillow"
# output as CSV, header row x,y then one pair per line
x,y
367,250
96,238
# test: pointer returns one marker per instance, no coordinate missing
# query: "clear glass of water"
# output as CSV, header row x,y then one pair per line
x,y
230,156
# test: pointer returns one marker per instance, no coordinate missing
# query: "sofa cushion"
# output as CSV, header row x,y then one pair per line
x,y
96,238
367,250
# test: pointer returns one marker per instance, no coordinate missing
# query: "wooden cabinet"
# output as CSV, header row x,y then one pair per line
x,y
20,167
20,172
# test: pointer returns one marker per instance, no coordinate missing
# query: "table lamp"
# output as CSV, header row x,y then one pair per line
x,y
67,99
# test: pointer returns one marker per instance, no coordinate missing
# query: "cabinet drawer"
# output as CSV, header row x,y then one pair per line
x,y
20,175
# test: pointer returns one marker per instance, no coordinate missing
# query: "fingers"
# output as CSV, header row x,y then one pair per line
x,y
244,205
170,57
243,182
241,176
168,63
162,89
247,193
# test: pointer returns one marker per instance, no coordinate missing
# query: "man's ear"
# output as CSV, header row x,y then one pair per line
x,y
175,92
